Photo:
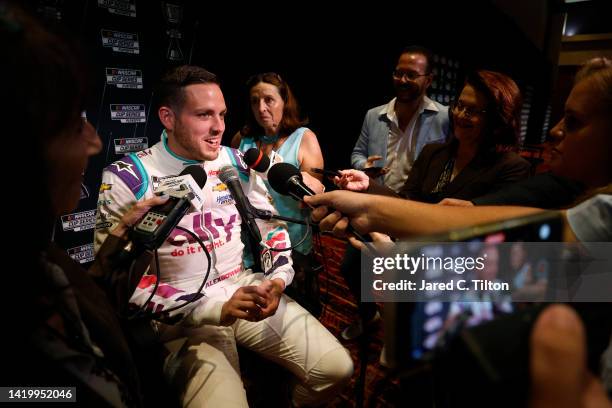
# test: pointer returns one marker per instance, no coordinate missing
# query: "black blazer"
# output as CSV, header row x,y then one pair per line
x,y
544,190
131,349
486,173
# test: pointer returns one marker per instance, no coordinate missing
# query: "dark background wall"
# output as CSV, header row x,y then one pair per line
x,y
338,58
340,66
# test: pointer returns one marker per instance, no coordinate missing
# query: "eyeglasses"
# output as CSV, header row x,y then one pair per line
x,y
411,75
468,111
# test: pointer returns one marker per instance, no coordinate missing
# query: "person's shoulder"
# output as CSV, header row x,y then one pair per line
x,y
438,113
236,140
441,108
129,171
432,148
229,155
433,107
128,165
139,160
513,159
229,151
309,147
377,110
308,135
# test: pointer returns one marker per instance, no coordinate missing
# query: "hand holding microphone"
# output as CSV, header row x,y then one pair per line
x,y
136,213
149,222
184,191
334,209
286,179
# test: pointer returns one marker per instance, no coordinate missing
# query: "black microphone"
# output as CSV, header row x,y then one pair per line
x,y
229,176
153,229
286,179
255,159
259,162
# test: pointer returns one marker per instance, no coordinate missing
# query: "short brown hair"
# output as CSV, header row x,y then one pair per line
x,y
169,91
503,108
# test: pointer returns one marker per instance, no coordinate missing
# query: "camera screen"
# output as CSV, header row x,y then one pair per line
x,y
434,323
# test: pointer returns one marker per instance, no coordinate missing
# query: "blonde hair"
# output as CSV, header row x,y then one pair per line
x,y
599,73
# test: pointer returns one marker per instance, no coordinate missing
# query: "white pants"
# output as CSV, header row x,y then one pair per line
x,y
204,367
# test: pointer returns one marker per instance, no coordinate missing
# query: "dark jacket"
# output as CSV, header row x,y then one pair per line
x,y
486,173
544,190
130,348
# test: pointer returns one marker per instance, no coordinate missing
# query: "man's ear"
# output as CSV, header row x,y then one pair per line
x,y
166,116
430,78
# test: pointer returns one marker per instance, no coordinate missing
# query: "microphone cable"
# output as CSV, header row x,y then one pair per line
x,y
267,215
193,298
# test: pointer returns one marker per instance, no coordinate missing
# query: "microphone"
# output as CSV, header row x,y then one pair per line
x,y
185,191
229,176
286,179
255,159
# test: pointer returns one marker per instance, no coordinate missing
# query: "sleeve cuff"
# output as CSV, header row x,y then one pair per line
x,y
207,313
284,276
359,164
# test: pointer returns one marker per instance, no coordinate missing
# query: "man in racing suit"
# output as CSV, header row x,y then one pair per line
x,y
237,305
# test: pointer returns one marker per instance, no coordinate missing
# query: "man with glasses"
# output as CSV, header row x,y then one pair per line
x,y
392,136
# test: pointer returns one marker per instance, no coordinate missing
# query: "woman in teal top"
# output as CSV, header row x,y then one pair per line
x,y
274,124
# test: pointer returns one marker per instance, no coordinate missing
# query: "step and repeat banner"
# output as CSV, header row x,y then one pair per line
x,y
130,44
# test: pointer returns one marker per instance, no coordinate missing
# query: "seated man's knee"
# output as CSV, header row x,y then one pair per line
x,y
325,380
334,369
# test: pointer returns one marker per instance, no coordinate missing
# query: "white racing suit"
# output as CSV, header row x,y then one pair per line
x,y
292,337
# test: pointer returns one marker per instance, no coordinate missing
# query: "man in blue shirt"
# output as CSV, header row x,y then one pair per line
x,y
394,134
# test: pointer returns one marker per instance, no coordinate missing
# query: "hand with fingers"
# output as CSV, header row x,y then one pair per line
x,y
274,289
559,374
370,161
246,303
352,180
377,238
135,214
346,205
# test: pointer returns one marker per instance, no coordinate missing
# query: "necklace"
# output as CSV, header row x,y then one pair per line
x,y
269,139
